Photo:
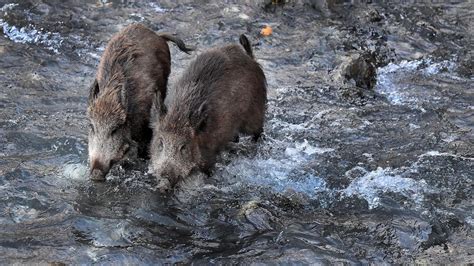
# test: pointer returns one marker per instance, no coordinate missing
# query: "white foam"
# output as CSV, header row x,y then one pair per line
x,y
373,184
413,126
390,79
75,171
277,171
157,8
140,17
29,34
437,153
106,232
469,220
289,127
275,174
20,213
403,65
7,7
306,148
436,68
244,16
231,9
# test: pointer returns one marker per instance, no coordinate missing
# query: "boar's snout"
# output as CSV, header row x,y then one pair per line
x,y
97,175
168,172
98,170
174,173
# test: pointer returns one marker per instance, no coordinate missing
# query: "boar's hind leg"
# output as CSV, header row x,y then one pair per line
x,y
256,136
254,127
236,139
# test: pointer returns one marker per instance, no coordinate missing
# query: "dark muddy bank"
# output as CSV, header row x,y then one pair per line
x,y
353,168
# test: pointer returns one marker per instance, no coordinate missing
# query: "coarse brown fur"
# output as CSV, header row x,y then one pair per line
x,y
133,68
221,94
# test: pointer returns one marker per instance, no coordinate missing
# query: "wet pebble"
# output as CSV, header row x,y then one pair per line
x,y
260,218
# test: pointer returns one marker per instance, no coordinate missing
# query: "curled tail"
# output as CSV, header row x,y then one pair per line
x,y
177,41
246,44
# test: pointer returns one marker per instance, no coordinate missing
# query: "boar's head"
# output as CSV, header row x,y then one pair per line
x,y
176,149
109,135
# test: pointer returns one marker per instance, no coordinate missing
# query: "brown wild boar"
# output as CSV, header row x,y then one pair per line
x,y
221,94
134,67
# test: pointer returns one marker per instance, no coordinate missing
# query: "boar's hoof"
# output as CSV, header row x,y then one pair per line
x,y
97,175
258,136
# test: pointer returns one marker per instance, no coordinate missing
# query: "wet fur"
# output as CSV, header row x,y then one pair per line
x,y
133,68
221,94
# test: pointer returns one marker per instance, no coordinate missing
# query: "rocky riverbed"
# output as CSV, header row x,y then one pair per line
x,y
368,152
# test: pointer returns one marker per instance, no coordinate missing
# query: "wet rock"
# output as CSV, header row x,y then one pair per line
x,y
466,66
349,204
355,78
43,9
358,69
462,148
271,5
385,234
323,5
257,216
373,15
356,172
163,185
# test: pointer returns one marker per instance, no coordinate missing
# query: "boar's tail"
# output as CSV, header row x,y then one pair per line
x,y
246,44
177,41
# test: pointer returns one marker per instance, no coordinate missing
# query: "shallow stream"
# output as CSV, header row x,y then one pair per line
x,y
343,174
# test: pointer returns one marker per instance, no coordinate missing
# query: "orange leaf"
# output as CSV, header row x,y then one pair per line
x,y
266,31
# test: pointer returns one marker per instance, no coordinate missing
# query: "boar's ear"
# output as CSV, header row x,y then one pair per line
x,y
123,96
93,91
158,109
201,118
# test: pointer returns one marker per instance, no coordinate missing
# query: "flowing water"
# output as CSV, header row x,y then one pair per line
x,y
343,174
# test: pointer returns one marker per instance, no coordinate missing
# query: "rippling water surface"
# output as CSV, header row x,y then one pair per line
x,y
342,175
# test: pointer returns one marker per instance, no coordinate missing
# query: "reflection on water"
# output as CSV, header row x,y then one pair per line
x,y
364,179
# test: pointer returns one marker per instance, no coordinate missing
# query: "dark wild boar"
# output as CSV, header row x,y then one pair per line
x,y
134,67
221,94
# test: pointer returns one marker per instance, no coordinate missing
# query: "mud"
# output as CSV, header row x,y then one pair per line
x,y
344,174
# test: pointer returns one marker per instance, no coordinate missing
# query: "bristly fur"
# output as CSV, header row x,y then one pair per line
x,y
107,108
115,71
134,66
110,104
200,83
220,95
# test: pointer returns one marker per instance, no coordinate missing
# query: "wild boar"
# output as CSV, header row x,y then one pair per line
x,y
134,67
221,94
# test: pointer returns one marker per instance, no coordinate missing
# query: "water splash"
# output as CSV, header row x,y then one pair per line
x,y
392,80
75,171
306,148
381,181
158,9
8,7
29,34
278,171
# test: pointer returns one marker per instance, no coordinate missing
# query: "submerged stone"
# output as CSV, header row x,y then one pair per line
x,y
357,69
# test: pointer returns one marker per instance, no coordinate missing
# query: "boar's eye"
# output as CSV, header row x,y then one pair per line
x,y
126,148
114,131
91,128
160,145
183,148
